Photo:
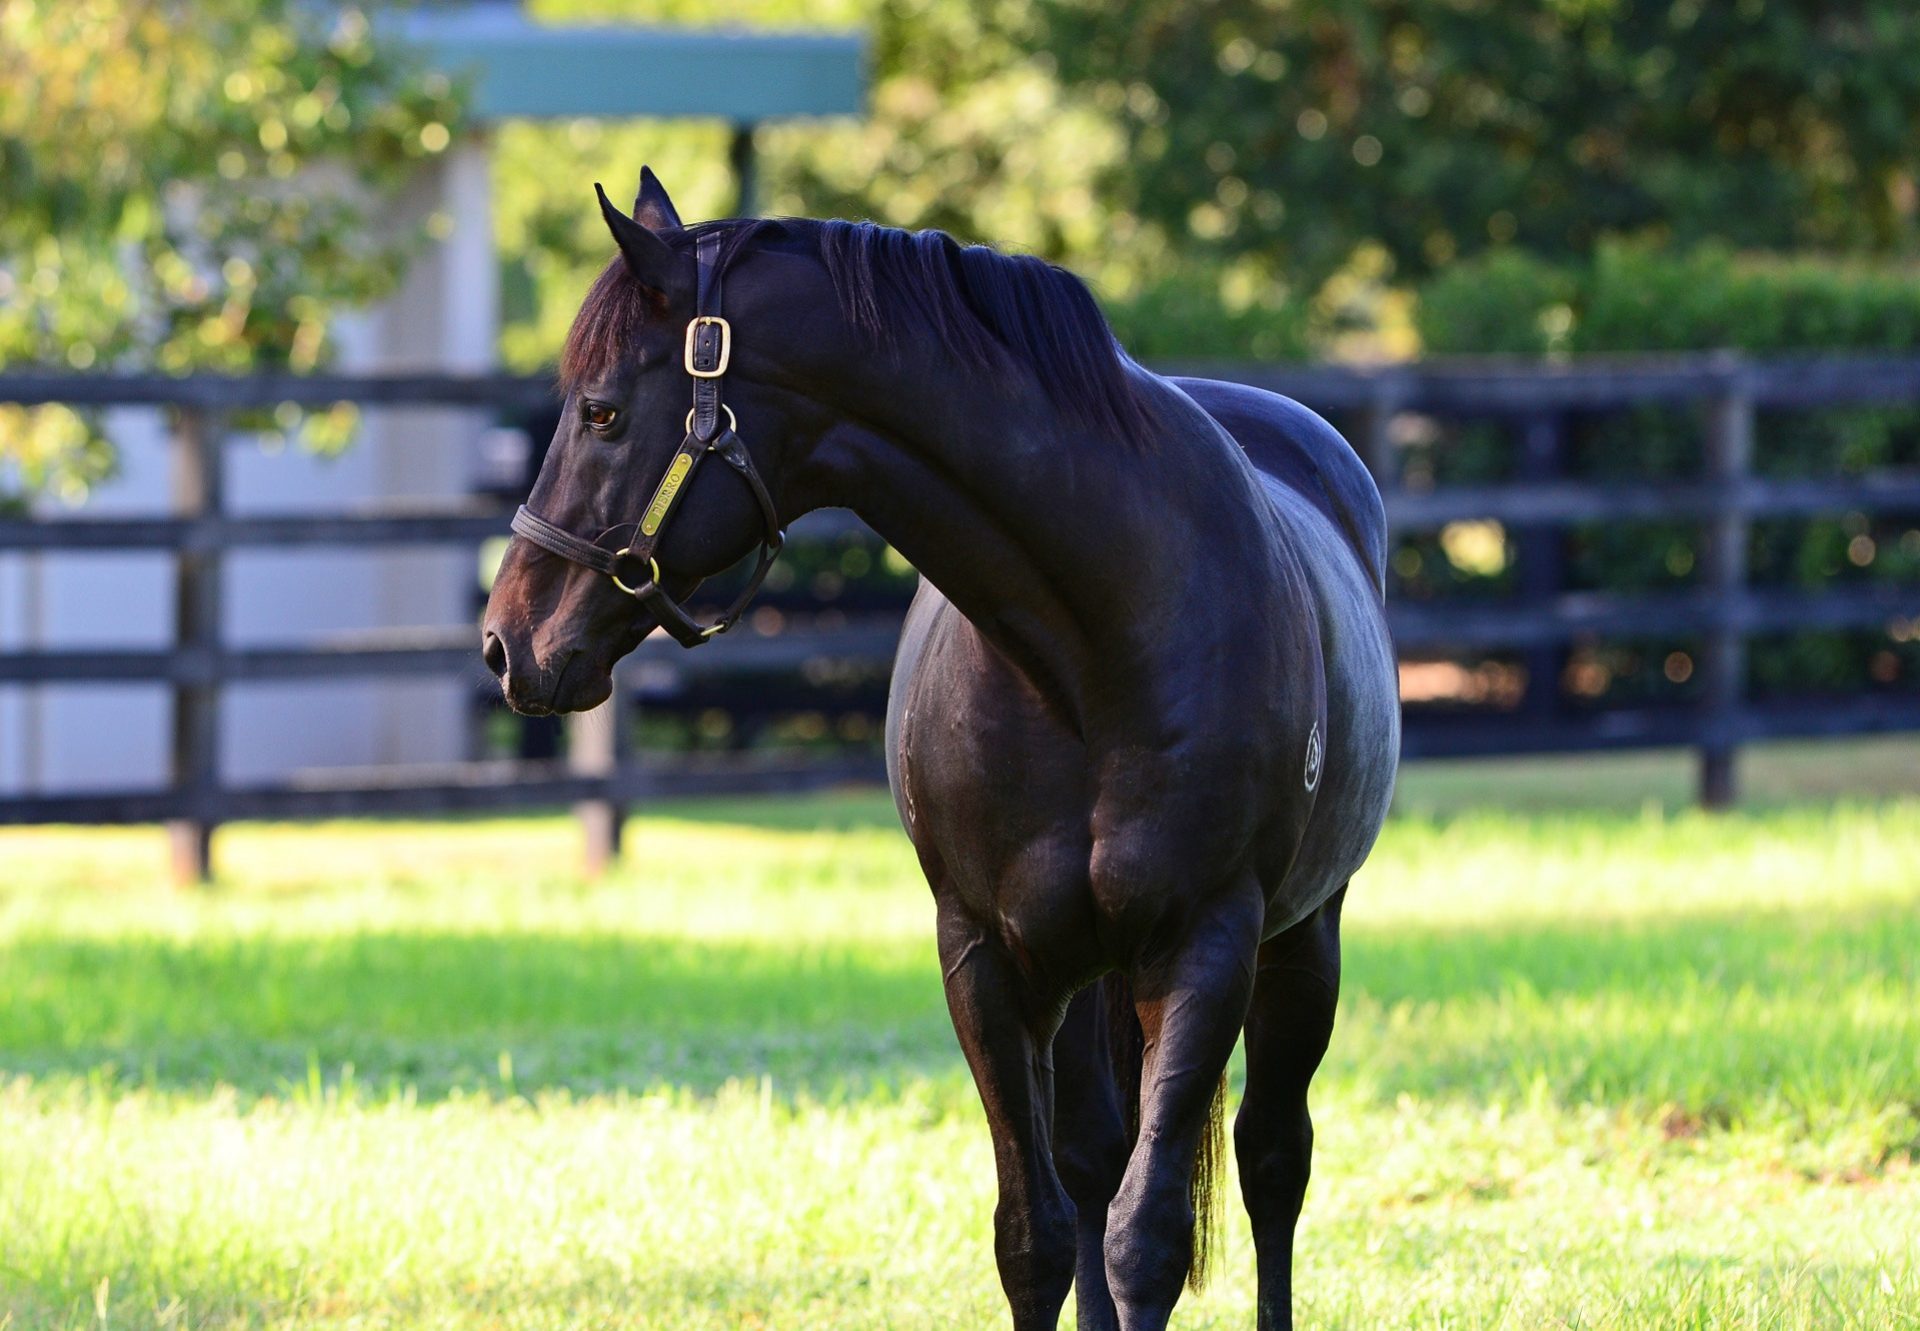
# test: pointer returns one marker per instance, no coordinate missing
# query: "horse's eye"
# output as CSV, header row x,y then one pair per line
x,y
599,415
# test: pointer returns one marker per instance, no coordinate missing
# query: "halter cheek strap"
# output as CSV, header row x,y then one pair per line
x,y
633,568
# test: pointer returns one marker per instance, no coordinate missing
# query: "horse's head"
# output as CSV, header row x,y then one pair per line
x,y
628,499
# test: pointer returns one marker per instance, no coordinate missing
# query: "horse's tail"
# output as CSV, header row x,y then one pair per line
x,y
1126,1048
1208,1166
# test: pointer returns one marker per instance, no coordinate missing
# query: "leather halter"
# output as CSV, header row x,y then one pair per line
x,y
633,568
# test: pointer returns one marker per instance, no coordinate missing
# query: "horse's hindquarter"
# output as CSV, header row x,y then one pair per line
x,y
1330,514
1361,743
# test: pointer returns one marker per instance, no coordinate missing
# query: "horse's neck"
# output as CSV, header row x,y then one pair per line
x,y
1098,568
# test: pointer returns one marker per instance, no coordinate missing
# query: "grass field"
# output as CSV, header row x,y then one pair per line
x,y
1629,1067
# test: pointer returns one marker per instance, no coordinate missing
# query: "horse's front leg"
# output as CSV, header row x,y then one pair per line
x,y
1191,998
1006,1029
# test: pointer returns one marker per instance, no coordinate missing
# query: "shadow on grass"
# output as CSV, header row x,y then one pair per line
x,y
1705,1008
440,1013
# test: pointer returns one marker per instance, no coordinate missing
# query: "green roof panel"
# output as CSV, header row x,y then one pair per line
x,y
523,69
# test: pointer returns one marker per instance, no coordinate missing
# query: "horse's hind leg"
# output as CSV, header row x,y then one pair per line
x,y
1288,1026
1191,1002
1006,1031
1089,1145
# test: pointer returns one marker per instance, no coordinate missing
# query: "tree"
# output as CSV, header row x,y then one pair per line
x,y
1298,130
192,184
966,128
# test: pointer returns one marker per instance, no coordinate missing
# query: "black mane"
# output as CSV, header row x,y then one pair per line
x,y
983,307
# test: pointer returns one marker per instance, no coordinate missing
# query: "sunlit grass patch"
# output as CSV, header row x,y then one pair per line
x,y
1621,1069
659,1209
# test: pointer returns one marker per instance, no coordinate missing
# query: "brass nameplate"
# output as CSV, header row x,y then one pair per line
x,y
669,490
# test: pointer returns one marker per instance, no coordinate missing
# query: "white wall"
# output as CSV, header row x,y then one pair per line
x,y
115,736
90,737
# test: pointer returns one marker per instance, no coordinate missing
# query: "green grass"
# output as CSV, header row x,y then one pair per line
x,y
1771,775
1621,1068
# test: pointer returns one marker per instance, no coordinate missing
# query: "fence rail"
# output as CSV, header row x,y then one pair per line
x,y
1723,611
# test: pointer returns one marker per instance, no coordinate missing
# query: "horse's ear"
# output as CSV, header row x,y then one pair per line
x,y
652,208
649,258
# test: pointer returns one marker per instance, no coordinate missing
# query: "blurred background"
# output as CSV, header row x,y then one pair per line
x,y
1683,511
1618,299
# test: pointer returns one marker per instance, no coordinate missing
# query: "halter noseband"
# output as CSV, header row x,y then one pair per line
x,y
633,568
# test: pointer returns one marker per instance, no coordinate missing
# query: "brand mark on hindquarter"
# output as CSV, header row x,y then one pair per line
x,y
1314,753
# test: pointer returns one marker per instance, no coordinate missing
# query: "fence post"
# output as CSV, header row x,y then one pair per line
x,y
593,749
197,494
746,174
1373,439
1541,549
1729,459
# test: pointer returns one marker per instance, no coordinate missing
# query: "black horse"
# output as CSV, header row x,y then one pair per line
x,y
1144,721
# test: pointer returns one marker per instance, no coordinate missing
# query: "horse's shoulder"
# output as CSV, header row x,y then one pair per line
x,y
1298,448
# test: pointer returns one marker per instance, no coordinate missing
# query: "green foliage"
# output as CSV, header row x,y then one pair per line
x,y
1639,299
192,187
1635,299
968,129
1204,312
1630,298
1439,130
551,240
1503,303
1153,145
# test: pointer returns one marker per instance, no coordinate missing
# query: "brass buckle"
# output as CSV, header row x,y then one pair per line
x,y
726,345
653,567
733,422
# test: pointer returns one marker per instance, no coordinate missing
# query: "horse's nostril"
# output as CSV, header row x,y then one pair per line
x,y
494,651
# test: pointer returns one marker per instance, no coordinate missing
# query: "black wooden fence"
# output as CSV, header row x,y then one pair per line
x,y
601,780
1536,401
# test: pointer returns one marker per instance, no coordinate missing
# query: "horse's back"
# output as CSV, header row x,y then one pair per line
x,y
1298,448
